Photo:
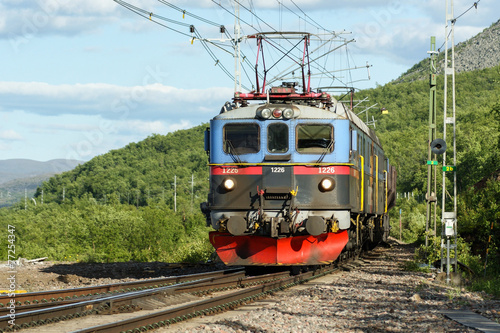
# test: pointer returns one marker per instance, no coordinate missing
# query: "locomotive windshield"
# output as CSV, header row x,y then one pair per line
x,y
277,138
241,139
315,139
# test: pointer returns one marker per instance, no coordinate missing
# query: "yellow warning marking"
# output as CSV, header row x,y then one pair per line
x,y
13,291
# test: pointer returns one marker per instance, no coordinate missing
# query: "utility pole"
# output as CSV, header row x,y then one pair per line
x,y
449,219
175,193
237,48
192,192
431,160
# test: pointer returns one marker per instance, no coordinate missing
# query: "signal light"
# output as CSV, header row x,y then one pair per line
x,y
277,113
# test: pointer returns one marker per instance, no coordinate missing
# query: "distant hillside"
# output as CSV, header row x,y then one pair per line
x,y
479,52
20,176
24,168
139,172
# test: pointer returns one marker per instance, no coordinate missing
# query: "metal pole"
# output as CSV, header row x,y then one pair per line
x,y
175,193
454,134
447,260
431,196
192,192
400,227
450,217
237,48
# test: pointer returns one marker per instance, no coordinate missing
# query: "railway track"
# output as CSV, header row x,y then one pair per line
x,y
23,301
151,294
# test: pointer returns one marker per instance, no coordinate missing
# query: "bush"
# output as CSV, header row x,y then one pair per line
x,y
87,231
412,220
432,253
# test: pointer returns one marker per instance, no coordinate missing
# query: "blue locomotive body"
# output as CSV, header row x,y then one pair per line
x,y
294,182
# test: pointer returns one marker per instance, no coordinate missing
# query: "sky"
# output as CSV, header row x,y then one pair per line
x,y
79,78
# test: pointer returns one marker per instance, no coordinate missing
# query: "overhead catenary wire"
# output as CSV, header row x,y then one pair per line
x,y
232,14
246,22
149,15
184,12
474,5
322,68
312,22
318,67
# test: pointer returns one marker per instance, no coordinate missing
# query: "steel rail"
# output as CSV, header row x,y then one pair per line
x,y
204,307
66,294
130,301
54,312
218,285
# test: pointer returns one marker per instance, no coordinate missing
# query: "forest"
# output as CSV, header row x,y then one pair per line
x,y
141,202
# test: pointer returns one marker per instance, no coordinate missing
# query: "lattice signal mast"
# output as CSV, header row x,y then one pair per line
x,y
449,218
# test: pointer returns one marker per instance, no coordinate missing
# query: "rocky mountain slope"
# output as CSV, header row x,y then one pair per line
x,y
479,52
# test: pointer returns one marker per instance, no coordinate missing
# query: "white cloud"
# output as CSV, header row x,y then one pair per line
x,y
146,127
10,135
151,101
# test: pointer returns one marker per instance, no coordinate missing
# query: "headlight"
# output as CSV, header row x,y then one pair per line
x,y
288,113
229,184
326,184
265,113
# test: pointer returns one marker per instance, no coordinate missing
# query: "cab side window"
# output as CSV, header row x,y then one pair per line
x,y
315,138
241,139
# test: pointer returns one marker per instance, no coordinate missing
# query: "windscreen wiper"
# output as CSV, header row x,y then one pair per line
x,y
235,158
330,145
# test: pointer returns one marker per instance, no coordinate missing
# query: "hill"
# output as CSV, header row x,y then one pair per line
x,y
404,131
479,52
120,206
138,173
24,168
20,176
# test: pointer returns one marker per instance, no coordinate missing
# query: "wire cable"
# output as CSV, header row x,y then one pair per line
x,y
184,12
474,5
316,24
149,15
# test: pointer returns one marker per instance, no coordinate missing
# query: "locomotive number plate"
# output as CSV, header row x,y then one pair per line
x,y
233,170
322,170
278,169
326,170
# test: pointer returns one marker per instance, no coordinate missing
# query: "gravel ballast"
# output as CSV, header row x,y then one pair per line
x,y
376,296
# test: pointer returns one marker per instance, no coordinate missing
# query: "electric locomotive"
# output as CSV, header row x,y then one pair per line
x,y
294,180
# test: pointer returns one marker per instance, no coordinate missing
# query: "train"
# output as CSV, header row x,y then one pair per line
x,y
296,178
